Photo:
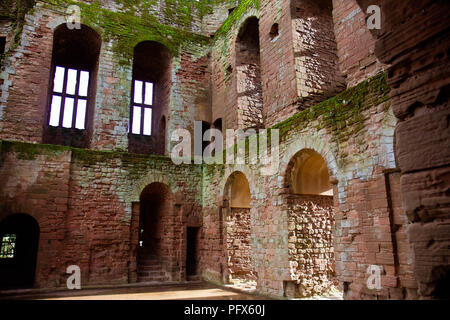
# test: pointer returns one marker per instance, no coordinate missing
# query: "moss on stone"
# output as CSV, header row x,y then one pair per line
x,y
16,14
341,115
235,16
29,151
135,23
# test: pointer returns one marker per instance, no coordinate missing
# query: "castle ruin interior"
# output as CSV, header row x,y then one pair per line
x,y
88,112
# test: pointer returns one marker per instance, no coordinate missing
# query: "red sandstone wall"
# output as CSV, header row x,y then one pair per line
x,y
355,43
277,59
83,203
27,72
414,42
315,52
39,186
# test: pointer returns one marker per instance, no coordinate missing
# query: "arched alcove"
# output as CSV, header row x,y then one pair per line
x,y
238,231
19,242
310,209
248,75
150,97
239,192
309,175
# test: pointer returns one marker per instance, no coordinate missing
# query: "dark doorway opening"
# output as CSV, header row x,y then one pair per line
x,y
155,237
19,239
2,45
191,253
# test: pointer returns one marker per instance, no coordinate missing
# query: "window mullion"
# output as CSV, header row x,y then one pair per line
x,y
63,97
143,108
75,103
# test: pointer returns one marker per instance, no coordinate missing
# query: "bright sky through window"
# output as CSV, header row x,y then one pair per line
x,y
142,108
69,100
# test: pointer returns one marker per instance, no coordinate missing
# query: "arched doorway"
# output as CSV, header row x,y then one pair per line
x,y
238,234
310,208
156,234
19,236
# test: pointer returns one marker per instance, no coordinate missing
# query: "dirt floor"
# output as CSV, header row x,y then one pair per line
x,y
188,291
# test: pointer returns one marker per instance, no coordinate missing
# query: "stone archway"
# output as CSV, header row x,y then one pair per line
x,y
156,240
310,210
239,268
19,242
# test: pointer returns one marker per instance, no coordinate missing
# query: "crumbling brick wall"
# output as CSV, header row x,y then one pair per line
x,y
238,247
311,247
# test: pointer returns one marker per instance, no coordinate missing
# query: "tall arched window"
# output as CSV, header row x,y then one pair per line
x,y
149,98
72,86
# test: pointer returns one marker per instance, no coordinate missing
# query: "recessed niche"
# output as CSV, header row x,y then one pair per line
x,y
274,31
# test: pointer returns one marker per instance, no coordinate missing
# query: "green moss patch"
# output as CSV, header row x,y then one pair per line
x,y
235,16
341,115
29,151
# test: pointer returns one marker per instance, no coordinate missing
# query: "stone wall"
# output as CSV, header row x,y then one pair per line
x,y
26,72
355,42
315,52
83,201
415,47
311,245
391,209
278,74
238,237
248,74
355,137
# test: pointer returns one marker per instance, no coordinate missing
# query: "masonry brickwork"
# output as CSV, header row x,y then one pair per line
x,y
311,245
372,103
239,246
